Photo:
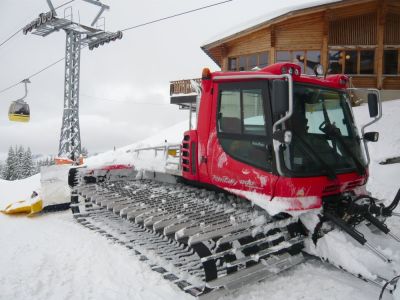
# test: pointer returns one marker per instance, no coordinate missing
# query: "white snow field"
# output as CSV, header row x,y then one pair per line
x,y
52,257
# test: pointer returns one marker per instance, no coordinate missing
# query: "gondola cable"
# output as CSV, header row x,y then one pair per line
x,y
20,30
126,29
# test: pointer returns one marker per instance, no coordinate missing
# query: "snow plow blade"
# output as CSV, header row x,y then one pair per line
x,y
24,207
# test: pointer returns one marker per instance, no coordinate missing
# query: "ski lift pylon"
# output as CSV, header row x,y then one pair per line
x,y
19,109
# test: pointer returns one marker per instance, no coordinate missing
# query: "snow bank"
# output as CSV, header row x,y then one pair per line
x,y
383,180
51,257
146,160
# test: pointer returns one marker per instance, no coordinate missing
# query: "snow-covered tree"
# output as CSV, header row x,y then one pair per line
x,y
43,162
10,166
19,164
19,151
27,166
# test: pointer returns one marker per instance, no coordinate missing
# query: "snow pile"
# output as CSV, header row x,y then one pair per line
x,y
343,251
388,146
277,205
52,257
148,159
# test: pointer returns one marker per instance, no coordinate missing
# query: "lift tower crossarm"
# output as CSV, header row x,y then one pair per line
x,y
103,7
51,6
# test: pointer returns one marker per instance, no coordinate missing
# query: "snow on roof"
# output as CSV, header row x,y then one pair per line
x,y
265,18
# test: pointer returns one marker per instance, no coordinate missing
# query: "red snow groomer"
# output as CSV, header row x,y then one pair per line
x,y
286,142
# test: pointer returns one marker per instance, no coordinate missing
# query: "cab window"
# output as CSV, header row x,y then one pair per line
x,y
242,122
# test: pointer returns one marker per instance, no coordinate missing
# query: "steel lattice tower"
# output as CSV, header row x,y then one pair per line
x,y
77,36
70,138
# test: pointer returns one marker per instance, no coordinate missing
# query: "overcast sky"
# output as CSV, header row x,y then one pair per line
x,y
124,88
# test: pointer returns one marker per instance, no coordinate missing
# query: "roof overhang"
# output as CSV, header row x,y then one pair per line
x,y
210,47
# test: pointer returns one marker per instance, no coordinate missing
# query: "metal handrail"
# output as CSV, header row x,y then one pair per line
x,y
165,148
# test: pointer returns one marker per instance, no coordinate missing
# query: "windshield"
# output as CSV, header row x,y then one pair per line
x,y
313,150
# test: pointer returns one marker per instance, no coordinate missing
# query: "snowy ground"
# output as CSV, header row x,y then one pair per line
x,y
52,257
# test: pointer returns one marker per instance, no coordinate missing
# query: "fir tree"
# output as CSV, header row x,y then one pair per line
x,y
27,166
43,162
19,162
9,168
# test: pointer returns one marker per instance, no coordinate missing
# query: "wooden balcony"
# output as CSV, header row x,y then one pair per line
x,y
183,87
184,93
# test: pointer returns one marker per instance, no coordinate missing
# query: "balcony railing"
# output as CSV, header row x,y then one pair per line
x,y
183,87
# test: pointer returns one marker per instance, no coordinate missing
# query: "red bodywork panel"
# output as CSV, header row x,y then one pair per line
x,y
205,160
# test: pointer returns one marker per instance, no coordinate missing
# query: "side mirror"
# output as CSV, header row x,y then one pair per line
x,y
283,136
280,97
373,105
371,136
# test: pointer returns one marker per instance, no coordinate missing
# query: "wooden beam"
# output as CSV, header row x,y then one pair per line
x,y
224,58
272,52
382,10
325,39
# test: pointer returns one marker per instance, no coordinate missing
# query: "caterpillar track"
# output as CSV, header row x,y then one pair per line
x,y
206,243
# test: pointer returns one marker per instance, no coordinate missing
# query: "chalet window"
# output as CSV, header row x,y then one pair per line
x,y
367,60
350,66
263,60
299,58
335,62
232,64
242,63
242,126
313,59
252,61
283,56
390,62
248,62
352,62
306,59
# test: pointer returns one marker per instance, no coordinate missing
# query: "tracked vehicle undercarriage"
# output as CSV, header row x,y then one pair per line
x,y
198,239
206,243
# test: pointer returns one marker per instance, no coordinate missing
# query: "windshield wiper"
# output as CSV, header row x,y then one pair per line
x,y
333,132
330,173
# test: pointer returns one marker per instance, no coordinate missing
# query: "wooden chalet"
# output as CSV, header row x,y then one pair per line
x,y
360,38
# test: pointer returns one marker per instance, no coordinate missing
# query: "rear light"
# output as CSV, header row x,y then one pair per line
x,y
343,80
283,68
291,69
